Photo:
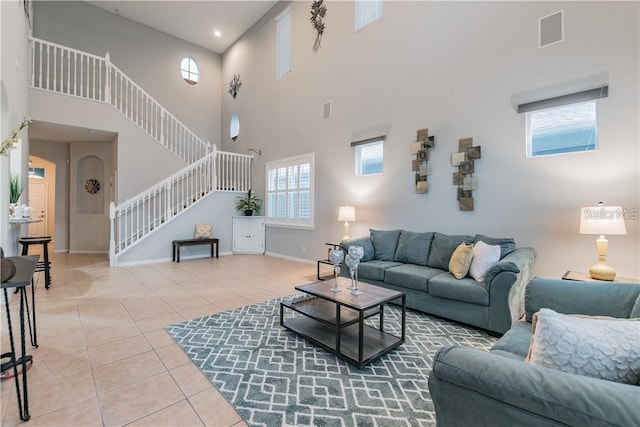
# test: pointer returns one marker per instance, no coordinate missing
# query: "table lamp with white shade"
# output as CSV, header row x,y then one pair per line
x,y
602,220
346,214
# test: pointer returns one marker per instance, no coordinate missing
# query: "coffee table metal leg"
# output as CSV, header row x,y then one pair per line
x,y
338,328
360,338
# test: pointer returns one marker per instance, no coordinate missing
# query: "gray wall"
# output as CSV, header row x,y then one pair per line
x,y
457,68
151,58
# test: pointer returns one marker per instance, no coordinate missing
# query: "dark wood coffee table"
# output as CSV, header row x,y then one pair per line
x,y
335,321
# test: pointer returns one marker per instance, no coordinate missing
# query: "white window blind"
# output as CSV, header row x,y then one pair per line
x,y
367,11
290,192
283,43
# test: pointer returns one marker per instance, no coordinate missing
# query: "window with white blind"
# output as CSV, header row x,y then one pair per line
x,y
283,43
564,124
289,201
369,154
367,11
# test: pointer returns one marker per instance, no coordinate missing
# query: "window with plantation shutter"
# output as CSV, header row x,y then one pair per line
x,y
367,11
283,43
289,201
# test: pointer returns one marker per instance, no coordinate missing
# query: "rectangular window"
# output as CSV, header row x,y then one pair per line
x,y
369,156
563,124
290,192
367,11
283,43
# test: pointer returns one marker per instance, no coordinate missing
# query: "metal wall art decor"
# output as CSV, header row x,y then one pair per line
x,y
92,186
234,85
318,12
464,179
420,165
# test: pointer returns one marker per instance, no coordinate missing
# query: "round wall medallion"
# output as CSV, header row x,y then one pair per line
x,y
92,186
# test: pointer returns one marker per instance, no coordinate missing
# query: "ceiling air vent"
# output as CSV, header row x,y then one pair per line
x,y
327,109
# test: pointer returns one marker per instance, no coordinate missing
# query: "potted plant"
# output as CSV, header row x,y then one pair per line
x,y
248,203
15,188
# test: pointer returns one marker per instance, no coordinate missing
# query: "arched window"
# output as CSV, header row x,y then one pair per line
x,y
189,70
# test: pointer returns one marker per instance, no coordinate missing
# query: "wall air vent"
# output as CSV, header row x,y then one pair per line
x,y
551,29
327,109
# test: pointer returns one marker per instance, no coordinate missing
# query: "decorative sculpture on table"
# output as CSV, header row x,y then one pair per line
x,y
464,178
336,256
352,260
421,166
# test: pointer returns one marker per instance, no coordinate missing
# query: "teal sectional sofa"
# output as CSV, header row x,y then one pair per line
x,y
418,265
499,389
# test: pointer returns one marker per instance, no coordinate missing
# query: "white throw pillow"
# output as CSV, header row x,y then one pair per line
x,y
484,256
605,348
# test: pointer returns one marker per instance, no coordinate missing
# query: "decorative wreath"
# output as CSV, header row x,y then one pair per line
x,y
234,86
92,186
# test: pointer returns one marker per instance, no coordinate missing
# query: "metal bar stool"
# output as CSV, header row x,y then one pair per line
x,y
44,265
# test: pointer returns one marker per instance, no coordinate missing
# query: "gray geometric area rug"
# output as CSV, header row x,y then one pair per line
x,y
273,377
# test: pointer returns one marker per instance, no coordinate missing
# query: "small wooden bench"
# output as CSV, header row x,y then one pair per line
x,y
177,244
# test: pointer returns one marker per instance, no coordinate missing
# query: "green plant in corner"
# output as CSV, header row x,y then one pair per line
x,y
15,188
248,203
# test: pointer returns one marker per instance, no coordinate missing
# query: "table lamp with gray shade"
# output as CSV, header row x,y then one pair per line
x,y
346,213
602,220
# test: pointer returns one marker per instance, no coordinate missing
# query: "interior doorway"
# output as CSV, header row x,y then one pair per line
x,y
42,190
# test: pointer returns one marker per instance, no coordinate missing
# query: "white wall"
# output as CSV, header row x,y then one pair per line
x,y
14,32
151,58
457,68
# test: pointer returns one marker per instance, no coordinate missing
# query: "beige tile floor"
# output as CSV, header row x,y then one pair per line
x,y
104,358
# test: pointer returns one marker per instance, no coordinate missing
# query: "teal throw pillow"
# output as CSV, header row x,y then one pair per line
x,y
413,248
385,243
506,244
442,248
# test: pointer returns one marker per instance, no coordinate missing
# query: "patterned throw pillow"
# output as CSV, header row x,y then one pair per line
x,y
599,347
203,231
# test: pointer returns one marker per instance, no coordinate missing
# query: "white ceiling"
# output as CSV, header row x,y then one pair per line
x,y
46,131
194,21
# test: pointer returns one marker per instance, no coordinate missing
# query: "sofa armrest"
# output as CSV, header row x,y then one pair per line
x,y
589,298
500,391
506,282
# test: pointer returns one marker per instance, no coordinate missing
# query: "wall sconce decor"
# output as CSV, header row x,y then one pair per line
x,y
234,85
318,12
464,179
420,165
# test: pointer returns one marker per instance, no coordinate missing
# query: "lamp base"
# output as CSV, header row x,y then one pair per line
x,y
602,271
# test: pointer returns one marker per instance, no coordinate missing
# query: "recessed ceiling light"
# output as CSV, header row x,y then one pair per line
x,y
217,33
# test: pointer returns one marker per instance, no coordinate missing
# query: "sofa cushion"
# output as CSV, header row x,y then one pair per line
x,y
605,348
411,276
413,248
516,340
484,257
506,244
385,243
365,242
442,248
461,260
444,285
375,269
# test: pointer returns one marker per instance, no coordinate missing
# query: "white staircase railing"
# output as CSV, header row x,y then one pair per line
x,y
135,219
64,70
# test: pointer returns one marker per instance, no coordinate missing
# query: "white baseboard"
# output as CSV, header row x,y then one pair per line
x,y
290,258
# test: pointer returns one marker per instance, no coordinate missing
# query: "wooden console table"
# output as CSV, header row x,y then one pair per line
x,y
177,244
